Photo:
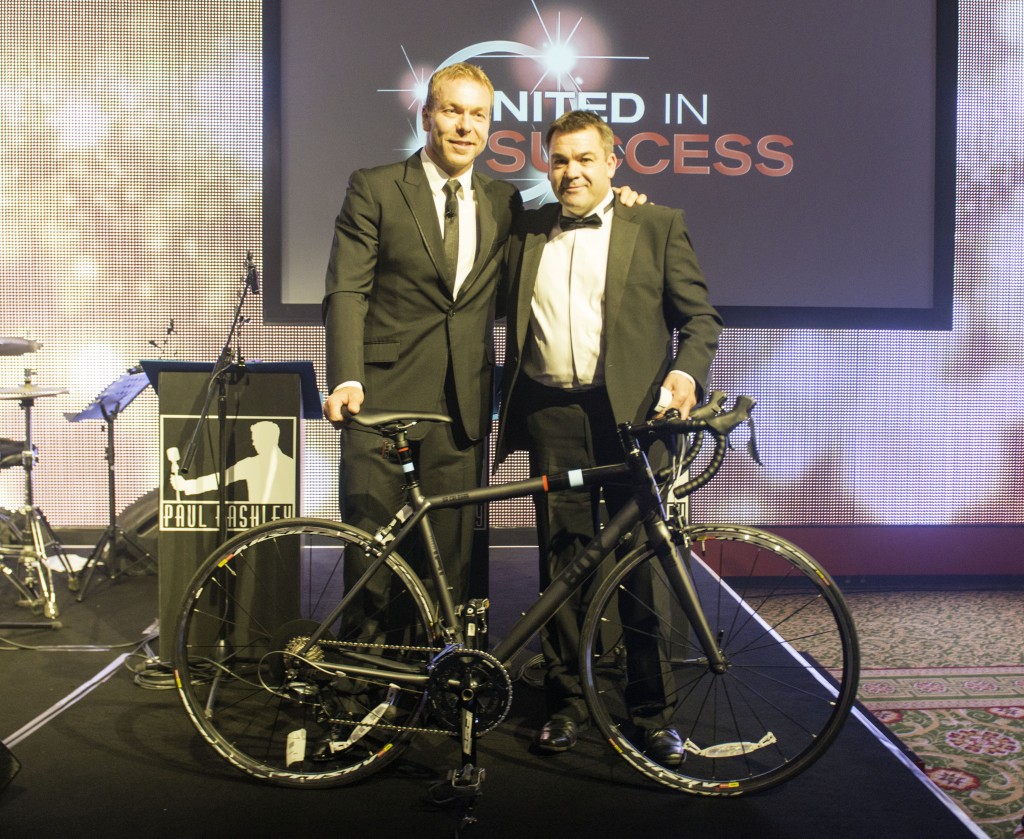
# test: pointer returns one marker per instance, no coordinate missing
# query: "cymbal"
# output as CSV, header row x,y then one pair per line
x,y
17,346
29,392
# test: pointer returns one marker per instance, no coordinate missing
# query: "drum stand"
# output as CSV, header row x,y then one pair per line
x,y
34,577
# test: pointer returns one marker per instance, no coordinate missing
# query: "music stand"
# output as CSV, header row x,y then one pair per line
x,y
114,398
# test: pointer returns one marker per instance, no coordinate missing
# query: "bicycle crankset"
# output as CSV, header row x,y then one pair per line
x,y
474,677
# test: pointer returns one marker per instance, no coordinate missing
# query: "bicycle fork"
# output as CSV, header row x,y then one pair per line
x,y
681,581
659,537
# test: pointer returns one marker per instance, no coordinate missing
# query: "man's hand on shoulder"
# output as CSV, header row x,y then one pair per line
x,y
629,196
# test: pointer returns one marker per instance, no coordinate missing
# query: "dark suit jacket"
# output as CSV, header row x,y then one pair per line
x,y
654,286
391,321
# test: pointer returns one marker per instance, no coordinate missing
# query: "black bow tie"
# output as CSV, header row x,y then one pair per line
x,y
573,222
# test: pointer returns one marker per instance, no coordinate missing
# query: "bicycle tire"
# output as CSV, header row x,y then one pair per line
x,y
251,607
790,643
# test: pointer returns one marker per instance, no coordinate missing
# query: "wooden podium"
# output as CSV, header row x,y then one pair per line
x,y
244,466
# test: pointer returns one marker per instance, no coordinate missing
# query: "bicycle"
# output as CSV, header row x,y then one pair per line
x,y
287,680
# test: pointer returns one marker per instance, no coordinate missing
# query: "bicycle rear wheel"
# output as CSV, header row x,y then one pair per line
x,y
283,714
788,638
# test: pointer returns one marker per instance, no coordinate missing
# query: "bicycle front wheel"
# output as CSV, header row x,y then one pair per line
x,y
791,653
270,703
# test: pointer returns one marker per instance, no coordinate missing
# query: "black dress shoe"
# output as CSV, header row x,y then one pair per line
x,y
664,745
556,735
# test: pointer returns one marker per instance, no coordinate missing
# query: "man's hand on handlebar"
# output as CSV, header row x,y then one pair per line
x,y
681,394
342,403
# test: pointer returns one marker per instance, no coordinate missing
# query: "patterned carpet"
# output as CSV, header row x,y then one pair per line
x,y
944,671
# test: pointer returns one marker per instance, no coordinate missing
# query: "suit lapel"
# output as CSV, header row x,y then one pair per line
x,y
487,229
620,257
533,248
416,190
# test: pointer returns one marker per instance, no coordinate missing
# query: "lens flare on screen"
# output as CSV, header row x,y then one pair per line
x,y
574,50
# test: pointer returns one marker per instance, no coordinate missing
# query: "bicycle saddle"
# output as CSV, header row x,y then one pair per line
x,y
375,417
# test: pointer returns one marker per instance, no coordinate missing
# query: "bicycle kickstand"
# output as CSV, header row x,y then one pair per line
x,y
464,782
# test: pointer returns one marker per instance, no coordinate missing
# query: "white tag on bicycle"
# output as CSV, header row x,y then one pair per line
x,y
367,723
295,747
729,749
576,478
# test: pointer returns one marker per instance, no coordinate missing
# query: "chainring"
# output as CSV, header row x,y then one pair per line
x,y
478,672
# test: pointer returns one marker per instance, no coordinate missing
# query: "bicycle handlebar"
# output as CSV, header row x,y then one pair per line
x,y
707,419
714,404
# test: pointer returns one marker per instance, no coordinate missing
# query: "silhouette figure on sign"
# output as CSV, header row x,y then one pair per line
x,y
269,474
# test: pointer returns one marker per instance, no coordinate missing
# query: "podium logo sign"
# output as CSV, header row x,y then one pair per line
x,y
259,472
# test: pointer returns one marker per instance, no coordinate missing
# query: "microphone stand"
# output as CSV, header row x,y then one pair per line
x,y
218,381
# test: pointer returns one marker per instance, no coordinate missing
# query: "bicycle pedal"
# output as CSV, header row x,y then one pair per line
x,y
467,779
323,753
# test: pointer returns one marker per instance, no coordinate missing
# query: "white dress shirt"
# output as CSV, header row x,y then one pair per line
x,y
566,349
567,312
437,178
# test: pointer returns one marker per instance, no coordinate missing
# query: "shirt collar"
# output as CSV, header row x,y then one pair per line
x,y
437,177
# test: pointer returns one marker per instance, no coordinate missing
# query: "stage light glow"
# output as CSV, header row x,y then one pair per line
x,y
317,493
92,367
224,95
1013,22
141,209
559,59
81,124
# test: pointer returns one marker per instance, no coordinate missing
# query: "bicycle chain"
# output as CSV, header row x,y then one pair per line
x,y
400,647
415,729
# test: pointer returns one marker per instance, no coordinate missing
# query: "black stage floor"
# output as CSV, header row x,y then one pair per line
x,y
101,756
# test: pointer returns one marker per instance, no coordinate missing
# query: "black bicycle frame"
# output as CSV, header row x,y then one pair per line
x,y
647,510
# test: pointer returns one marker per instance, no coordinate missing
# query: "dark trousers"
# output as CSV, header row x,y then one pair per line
x,y
371,491
571,431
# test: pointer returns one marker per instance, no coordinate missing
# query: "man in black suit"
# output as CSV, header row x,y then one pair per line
x,y
409,309
596,292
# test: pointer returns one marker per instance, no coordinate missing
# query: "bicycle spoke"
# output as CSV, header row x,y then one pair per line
x,y
776,618
271,701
